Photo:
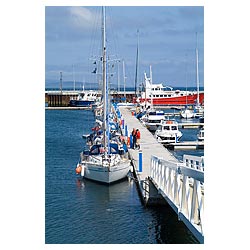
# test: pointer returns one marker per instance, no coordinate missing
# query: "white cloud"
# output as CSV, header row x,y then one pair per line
x,y
81,17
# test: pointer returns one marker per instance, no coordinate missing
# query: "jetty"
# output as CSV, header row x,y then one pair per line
x,y
186,145
191,125
162,179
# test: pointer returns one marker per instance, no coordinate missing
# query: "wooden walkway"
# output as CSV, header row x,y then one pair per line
x,y
149,147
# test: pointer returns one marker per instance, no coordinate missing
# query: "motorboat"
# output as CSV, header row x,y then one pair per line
x,y
159,94
152,119
168,132
85,98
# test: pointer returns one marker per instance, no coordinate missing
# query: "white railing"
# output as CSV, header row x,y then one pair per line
x,y
181,184
192,161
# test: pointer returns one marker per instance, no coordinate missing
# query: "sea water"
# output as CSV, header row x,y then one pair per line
x,y
84,212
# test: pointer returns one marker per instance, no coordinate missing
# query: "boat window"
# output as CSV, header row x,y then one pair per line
x,y
157,96
169,95
154,121
165,95
174,127
95,150
161,95
114,148
166,128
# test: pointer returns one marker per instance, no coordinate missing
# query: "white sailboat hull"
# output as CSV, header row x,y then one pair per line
x,y
106,174
187,114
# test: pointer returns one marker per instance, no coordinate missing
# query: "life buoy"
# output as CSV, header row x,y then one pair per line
x,y
78,169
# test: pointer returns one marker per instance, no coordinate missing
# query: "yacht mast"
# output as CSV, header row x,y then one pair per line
x,y
197,73
151,85
137,58
104,69
124,79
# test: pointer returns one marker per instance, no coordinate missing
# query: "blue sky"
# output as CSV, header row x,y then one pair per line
x,y
167,41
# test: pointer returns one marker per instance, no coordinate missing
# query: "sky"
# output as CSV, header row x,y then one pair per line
x,y
166,38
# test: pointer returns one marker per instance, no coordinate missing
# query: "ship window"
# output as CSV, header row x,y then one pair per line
x,y
161,95
166,128
157,95
165,95
174,128
169,95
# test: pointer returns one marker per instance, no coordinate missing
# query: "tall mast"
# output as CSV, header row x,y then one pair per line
x,y
150,74
118,75
151,82
61,82
186,77
124,79
74,80
137,58
104,69
197,73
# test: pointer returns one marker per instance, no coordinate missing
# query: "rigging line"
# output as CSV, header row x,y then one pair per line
x,y
113,33
94,40
137,58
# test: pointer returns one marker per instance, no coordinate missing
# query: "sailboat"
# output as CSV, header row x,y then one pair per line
x,y
187,113
105,161
199,110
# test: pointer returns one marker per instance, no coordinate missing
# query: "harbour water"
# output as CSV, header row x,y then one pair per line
x,y
84,212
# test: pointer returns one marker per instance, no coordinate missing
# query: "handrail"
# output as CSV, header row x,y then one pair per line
x,y
181,184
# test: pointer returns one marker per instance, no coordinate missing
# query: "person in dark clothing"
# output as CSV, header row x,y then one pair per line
x,y
134,138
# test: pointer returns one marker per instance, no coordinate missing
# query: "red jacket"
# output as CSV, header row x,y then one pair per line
x,y
138,134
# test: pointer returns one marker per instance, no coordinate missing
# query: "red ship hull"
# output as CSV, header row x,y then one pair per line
x,y
177,100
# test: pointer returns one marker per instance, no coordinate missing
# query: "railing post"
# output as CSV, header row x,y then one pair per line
x,y
140,160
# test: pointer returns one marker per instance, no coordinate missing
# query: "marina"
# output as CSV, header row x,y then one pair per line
x,y
76,207
142,161
114,173
152,185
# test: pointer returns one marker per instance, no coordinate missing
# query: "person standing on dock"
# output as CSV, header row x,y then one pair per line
x,y
138,137
134,138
